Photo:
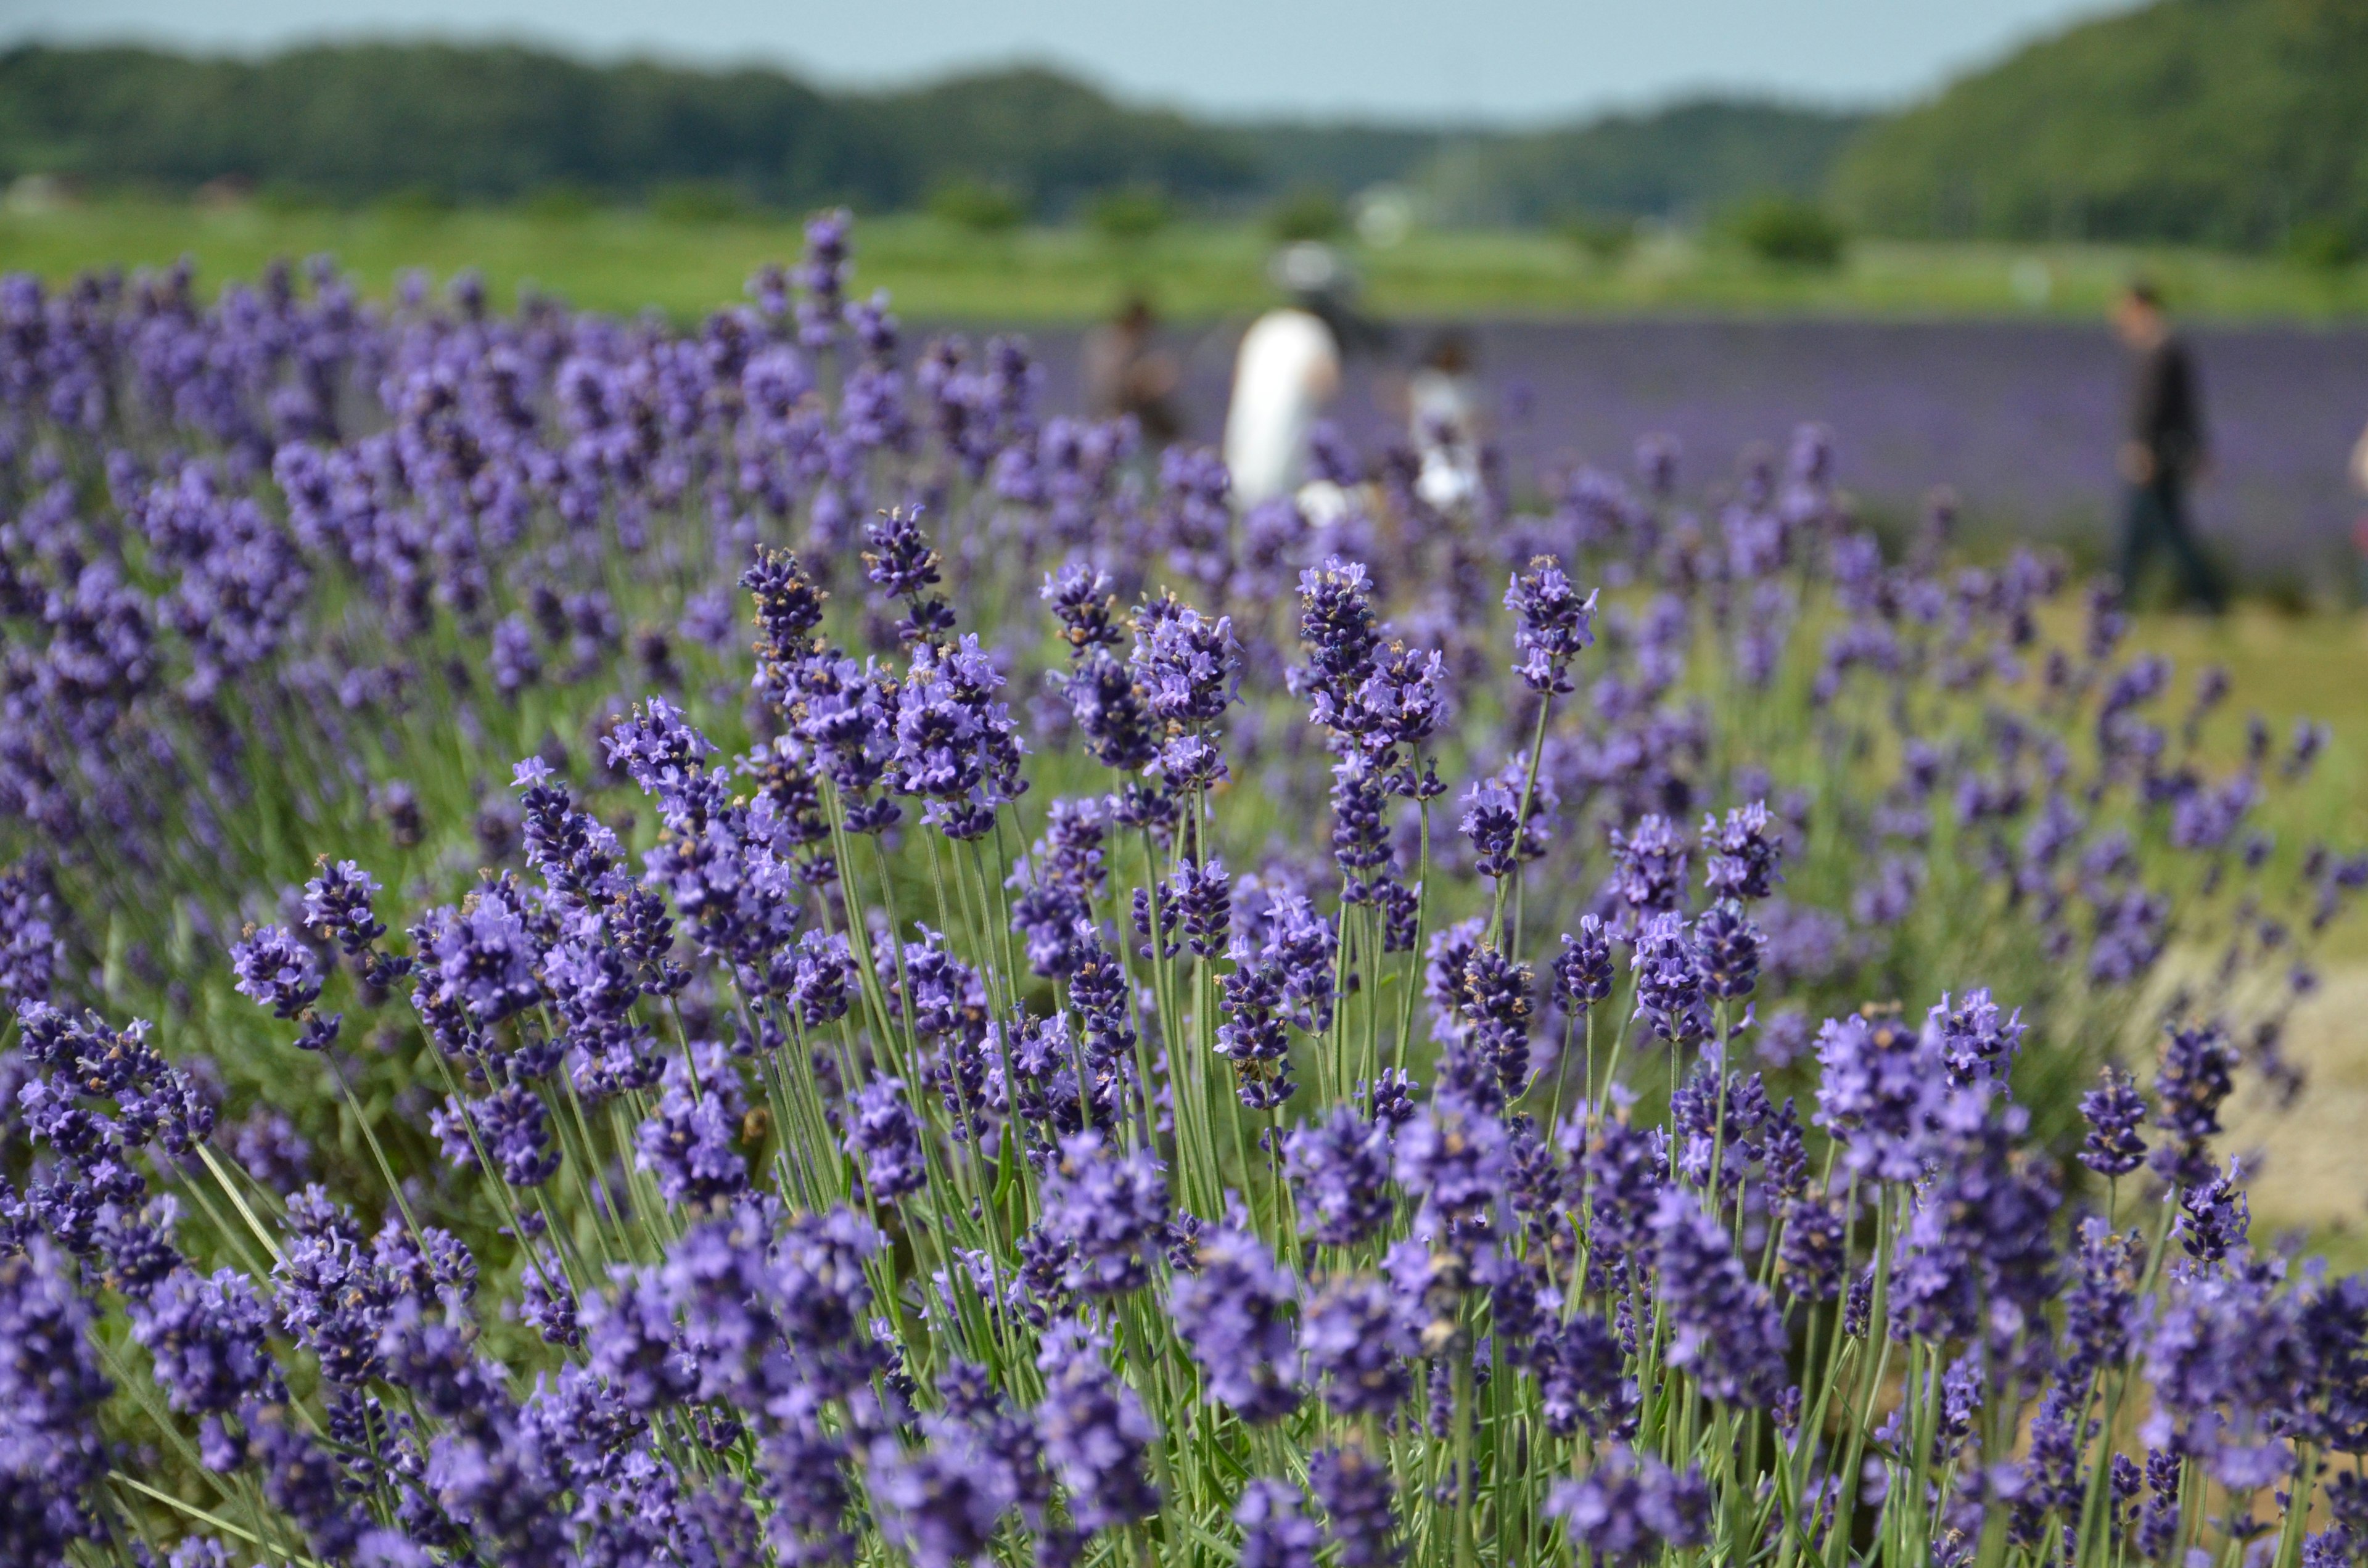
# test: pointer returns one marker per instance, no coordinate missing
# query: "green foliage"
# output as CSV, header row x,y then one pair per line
x,y
414,203
1686,159
2324,244
2224,122
1783,232
1130,213
1310,212
496,123
565,202
981,209
1604,238
696,201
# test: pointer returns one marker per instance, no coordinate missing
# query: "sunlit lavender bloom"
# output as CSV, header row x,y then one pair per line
x,y
1669,985
1340,1174
1360,1522
337,904
1357,1341
207,1336
2113,1110
1583,1379
941,1505
1631,1507
1582,969
882,1136
1452,1156
690,1143
1552,624
1095,1431
1727,1331
2188,1089
52,1387
1082,601
1741,856
1231,1311
1877,1091
515,1125
1336,624
1649,865
1813,1250
276,970
1974,1043
1276,1532
1108,1209
1725,947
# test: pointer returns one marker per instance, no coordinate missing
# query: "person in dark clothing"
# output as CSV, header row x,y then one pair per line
x,y
2164,451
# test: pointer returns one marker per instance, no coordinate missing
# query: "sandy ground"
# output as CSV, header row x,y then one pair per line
x,y
2313,1170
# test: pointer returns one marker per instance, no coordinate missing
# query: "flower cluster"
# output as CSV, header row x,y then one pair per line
x,y
1048,1047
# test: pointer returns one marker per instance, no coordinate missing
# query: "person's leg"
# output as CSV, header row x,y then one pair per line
x,y
2137,539
2197,580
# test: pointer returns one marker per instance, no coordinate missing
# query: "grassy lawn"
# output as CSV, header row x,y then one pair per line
x,y
626,260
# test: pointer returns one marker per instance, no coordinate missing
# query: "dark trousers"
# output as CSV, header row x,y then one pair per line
x,y
2154,517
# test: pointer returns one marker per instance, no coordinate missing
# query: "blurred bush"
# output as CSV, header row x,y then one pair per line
x,y
414,201
1131,213
1603,237
563,202
696,201
1307,213
2323,244
979,208
1783,232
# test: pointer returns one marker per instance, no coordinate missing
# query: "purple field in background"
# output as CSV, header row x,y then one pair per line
x,y
2019,418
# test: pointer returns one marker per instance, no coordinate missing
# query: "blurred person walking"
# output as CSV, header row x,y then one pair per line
x,y
1128,372
2163,452
1287,371
1444,420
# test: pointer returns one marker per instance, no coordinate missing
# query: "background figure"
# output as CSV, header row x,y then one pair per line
x,y
2164,451
1287,371
1443,416
1127,371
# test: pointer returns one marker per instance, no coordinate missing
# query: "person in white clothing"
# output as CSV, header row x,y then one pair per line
x,y
1287,371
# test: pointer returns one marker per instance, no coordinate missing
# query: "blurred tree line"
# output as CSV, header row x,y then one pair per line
x,y
2237,123
425,124
439,122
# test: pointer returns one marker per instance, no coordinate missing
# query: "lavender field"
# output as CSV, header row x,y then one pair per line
x,y
754,947
2019,418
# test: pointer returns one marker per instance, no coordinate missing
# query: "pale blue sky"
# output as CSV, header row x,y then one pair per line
x,y
1506,61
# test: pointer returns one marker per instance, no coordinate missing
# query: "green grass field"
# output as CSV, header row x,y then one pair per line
x,y
627,260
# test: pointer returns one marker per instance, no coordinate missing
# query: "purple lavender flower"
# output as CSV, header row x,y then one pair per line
x,y
1552,624
1340,1174
1109,1209
338,904
1668,983
1357,1342
276,970
1360,1522
1582,971
1631,1507
2113,1111
1877,1094
1740,857
1649,866
1231,1313
51,1456
2188,1089
1276,1532
206,1336
882,1136
515,1125
1725,1330
1095,1432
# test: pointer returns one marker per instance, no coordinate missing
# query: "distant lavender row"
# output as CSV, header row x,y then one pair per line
x,y
2020,418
